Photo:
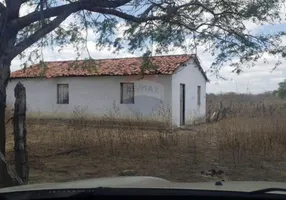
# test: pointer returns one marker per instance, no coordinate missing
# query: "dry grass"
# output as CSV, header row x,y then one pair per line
x,y
244,146
65,152
244,139
246,105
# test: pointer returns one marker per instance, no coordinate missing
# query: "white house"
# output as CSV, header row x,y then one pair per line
x,y
171,87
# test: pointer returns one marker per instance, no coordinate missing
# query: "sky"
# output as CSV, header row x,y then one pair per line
x,y
258,79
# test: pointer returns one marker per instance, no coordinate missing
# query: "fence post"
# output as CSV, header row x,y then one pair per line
x,y
20,141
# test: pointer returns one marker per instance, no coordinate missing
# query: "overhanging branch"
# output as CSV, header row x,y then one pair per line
x,y
36,16
125,15
21,46
56,11
99,6
103,7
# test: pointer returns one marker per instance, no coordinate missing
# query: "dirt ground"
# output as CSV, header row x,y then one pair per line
x,y
63,152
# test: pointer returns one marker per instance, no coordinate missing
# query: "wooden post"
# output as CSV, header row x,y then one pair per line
x,y
20,141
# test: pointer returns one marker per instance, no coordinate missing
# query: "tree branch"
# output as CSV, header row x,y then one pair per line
x,y
125,15
55,11
101,7
21,46
36,16
196,3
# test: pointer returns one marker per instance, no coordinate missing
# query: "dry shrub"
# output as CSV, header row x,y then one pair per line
x,y
247,135
246,105
62,152
108,135
254,127
250,138
111,141
159,118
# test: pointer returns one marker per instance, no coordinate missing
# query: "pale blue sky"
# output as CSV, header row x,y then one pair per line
x,y
260,78
268,29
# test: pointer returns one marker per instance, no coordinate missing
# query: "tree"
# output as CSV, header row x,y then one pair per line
x,y
219,25
281,91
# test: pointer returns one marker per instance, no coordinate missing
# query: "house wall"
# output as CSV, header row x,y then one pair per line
x,y
191,77
96,95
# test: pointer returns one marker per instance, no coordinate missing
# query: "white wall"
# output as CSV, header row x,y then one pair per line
x,y
191,77
97,95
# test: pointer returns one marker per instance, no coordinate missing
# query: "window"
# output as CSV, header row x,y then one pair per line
x,y
63,94
127,93
199,95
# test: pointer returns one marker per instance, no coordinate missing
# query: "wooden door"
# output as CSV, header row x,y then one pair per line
x,y
182,104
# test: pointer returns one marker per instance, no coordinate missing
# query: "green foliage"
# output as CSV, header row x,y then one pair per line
x,y
281,91
106,30
147,64
219,26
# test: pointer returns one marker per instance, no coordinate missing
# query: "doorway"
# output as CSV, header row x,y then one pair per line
x,y
182,104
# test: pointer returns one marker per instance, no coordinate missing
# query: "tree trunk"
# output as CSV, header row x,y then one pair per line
x,y
20,143
5,179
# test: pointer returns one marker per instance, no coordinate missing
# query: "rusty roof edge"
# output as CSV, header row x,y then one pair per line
x,y
72,76
35,65
121,58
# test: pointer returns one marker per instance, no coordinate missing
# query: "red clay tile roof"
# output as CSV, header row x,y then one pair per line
x,y
112,67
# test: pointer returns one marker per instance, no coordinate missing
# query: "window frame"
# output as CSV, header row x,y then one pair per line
x,y
58,94
121,93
